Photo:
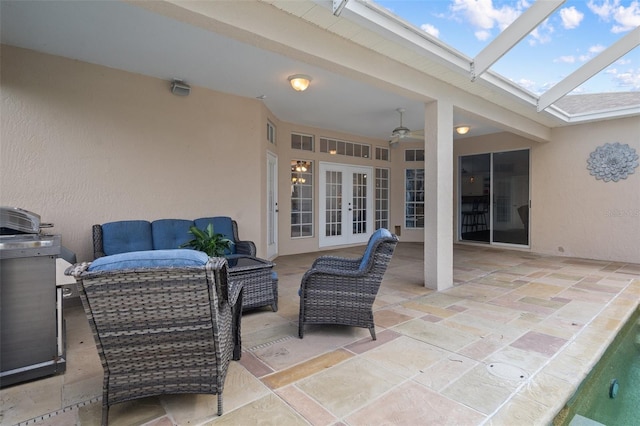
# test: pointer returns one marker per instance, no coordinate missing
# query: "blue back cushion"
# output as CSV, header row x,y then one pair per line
x,y
125,236
170,233
221,225
150,259
380,233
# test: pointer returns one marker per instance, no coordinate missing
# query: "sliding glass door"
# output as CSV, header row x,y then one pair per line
x,y
494,197
510,222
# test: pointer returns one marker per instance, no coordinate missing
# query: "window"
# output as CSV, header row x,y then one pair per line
x,y
271,132
301,198
382,198
414,155
414,198
382,153
302,142
349,149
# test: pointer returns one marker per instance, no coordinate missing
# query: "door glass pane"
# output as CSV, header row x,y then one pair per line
x,y
414,198
333,212
475,185
382,198
301,198
359,203
511,197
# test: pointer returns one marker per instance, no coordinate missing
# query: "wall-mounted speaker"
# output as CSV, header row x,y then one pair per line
x,y
180,88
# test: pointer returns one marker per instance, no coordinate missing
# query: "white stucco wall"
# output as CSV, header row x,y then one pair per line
x,y
84,144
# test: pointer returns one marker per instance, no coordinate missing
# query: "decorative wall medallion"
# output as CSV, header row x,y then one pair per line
x,y
612,161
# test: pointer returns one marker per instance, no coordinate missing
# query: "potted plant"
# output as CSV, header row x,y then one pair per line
x,y
208,241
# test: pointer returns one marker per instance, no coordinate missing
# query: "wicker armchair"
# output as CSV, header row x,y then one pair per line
x,y
339,290
159,330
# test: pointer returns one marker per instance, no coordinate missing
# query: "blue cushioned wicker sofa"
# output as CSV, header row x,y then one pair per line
x,y
260,282
138,235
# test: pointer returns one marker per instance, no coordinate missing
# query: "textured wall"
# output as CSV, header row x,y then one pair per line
x,y
573,213
84,144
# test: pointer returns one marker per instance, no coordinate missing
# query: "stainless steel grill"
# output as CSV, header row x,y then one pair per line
x,y
31,341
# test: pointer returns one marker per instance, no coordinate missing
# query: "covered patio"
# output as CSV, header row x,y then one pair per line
x,y
508,344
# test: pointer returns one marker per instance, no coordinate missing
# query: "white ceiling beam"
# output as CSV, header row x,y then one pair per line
x,y
516,31
591,68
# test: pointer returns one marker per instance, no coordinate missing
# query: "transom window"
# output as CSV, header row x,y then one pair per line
x,y
271,132
302,142
382,153
350,149
414,155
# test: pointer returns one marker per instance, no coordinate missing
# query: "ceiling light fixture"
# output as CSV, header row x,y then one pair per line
x,y
299,82
462,130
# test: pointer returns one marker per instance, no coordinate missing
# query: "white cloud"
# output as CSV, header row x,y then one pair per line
x,y
571,17
629,79
625,18
604,10
624,61
431,30
593,51
542,34
483,16
566,59
482,35
527,84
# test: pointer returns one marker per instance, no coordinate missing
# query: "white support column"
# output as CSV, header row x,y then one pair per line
x,y
438,212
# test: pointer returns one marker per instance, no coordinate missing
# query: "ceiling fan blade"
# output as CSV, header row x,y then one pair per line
x,y
416,134
393,142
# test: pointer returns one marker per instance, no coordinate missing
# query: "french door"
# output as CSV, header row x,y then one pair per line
x,y
494,198
345,204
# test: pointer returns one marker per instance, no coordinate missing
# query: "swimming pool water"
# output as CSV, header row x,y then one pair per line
x,y
598,399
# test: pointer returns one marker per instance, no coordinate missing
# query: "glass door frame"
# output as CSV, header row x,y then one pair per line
x,y
347,235
272,205
492,202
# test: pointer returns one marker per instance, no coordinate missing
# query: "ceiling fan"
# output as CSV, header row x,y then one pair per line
x,y
402,132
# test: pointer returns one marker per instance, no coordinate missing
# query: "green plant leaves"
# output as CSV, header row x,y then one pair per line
x,y
208,241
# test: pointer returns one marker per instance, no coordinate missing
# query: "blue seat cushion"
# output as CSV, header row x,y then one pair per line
x,y
125,236
379,234
175,258
170,233
221,225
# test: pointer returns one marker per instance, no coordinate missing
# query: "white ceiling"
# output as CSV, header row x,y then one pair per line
x,y
122,36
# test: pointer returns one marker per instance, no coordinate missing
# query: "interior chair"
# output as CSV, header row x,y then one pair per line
x,y
338,290
161,321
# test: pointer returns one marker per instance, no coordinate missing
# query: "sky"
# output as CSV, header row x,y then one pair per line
x,y
568,38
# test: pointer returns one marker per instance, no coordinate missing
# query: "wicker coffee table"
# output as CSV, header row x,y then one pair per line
x,y
252,284
259,283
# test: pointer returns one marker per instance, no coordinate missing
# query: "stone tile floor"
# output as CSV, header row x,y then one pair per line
x,y
508,344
